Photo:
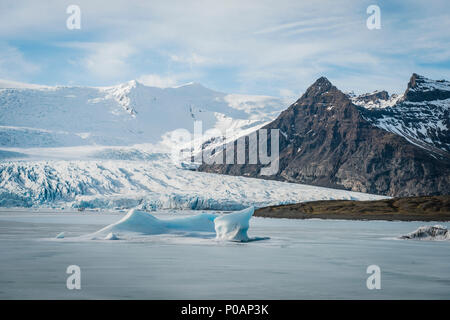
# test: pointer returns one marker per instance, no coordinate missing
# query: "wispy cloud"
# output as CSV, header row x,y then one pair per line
x,y
155,80
244,46
13,64
103,60
299,25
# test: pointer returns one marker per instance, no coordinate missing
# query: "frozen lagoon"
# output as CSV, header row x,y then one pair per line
x,y
303,259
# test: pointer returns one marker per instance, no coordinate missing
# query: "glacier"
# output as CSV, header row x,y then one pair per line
x,y
151,184
227,227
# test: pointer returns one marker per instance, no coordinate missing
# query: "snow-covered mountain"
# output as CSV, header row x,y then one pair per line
x,y
104,148
421,114
129,113
375,100
327,140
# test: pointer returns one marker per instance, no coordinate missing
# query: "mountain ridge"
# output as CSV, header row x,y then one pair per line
x,y
326,140
125,114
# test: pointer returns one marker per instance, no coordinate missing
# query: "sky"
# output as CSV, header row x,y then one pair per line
x,y
275,48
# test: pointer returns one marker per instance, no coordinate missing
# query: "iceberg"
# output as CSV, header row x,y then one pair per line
x,y
436,232
227,227
234,226
111,236
144,223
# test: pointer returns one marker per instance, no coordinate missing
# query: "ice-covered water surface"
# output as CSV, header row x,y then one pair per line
x,y
303,259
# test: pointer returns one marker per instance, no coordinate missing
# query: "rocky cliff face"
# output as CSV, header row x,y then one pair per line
x,y
327,140
421,115
423,89
373,98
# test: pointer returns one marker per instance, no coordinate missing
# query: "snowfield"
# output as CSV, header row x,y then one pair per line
x,y
122,115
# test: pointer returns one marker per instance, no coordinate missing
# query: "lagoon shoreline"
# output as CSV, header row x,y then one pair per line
x,y
426,208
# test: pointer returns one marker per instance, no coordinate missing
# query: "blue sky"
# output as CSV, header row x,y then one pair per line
x,y
257,47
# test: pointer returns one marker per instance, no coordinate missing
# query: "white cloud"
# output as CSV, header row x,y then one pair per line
x,y
288,94
254,44
104,60
154,80
327,20
13,64
14,84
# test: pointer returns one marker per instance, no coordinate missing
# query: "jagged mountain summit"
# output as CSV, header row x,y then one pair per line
x,y
376,99
328,140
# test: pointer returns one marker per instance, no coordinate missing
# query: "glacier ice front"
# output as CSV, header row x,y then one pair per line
x,y
229,227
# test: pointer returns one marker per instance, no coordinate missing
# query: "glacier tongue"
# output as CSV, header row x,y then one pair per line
x,y
148,185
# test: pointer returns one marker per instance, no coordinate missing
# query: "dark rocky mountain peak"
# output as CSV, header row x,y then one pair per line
x,y
327,140
421,89
321,86
323,95
412,81
422,115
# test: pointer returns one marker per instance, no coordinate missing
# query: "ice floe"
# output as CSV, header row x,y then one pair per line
x,y
60,235
436,232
